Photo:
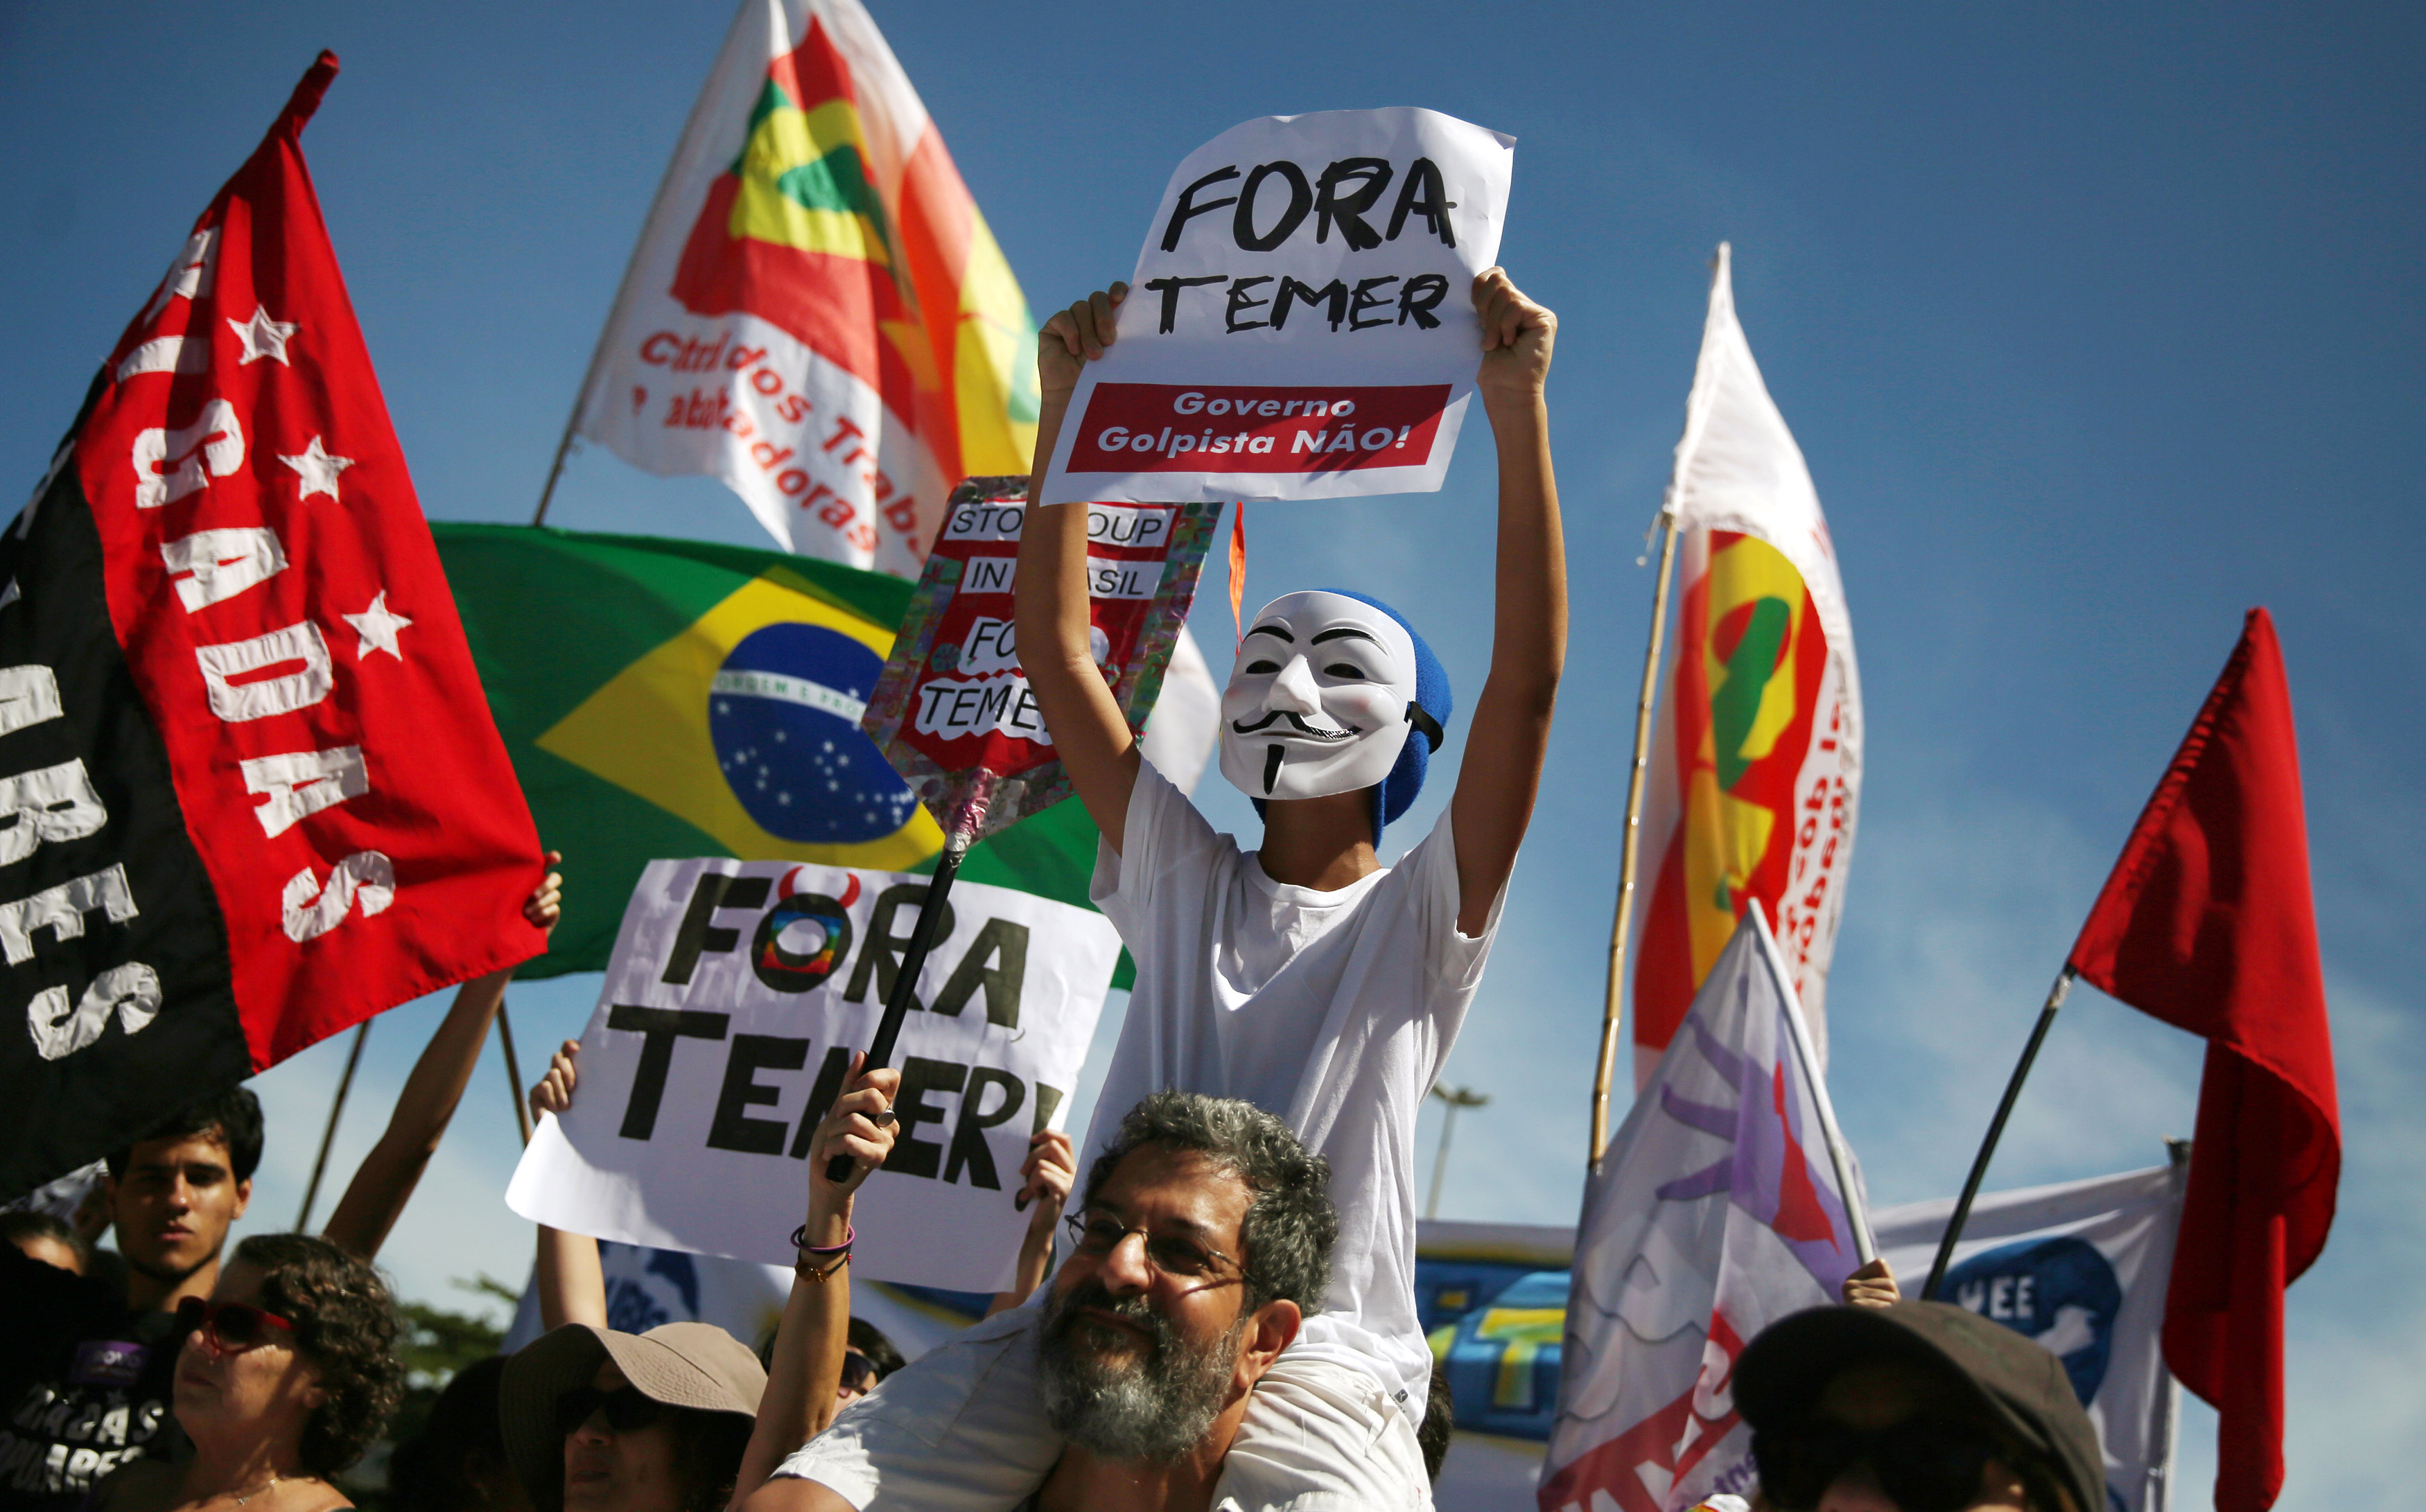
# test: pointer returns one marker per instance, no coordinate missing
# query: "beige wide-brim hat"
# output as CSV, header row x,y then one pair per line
x,y
693,1365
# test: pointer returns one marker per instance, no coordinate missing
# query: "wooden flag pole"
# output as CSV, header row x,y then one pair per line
x,y
329,1136
513,1072
539,516
1995,1130
1631,845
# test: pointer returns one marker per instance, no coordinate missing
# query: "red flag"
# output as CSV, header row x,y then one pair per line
x,y
258,795
2207,923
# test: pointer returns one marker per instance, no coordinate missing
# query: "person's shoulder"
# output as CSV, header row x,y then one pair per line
x,y
143,1483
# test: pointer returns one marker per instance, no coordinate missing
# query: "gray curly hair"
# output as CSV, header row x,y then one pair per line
x,y
1290,1225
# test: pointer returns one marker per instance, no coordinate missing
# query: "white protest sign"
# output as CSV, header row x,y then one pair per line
x,y
1301,324
736,996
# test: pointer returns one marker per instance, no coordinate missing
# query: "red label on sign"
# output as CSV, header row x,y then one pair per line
x,y
1169,427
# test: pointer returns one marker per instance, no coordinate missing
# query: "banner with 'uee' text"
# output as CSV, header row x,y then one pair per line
x,y
737,994
1301,324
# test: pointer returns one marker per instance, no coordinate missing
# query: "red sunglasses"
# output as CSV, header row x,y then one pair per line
x,y
230,1327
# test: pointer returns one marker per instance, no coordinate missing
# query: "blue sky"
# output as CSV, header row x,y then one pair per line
x,y
2097,324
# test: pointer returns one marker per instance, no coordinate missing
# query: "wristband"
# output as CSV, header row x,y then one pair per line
x,y
808,1272
800,1241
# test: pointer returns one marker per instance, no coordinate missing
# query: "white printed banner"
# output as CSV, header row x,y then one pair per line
x,y
2082,1268
816,313
1299,326
732,1004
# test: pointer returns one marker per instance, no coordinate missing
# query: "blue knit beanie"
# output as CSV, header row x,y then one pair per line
x,y
1396,792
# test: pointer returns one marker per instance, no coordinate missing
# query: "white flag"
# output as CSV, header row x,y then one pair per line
x,y
1756,767
1716,1210
816,313
2082,1268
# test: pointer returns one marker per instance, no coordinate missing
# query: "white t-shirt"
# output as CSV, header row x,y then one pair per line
x,y
1334,1010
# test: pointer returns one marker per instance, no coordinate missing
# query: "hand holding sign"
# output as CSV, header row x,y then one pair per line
x,y
852,1141
1517,335
1075,337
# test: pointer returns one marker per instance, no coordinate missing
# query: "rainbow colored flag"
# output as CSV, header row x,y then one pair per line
x,y
816,313
1756,766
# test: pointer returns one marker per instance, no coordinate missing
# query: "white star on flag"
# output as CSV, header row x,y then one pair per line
x,y
318,469
377,626
262,337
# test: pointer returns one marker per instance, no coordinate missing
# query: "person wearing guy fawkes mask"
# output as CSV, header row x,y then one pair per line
x,y
1301,976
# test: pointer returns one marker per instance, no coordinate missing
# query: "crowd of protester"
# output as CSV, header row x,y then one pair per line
x,y
1239,1353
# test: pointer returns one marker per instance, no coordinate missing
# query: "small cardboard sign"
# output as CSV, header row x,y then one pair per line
x,y
953,711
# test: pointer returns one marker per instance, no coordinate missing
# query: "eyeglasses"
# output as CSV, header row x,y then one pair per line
x,y
1924,1464
627,1410
230,1327
1173,1255
858,1372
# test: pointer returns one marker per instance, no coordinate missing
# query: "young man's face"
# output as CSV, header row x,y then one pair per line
x,y
1317,701
173,1202
1142,1340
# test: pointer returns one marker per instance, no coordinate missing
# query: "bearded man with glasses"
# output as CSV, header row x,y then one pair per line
x,y
1202,1240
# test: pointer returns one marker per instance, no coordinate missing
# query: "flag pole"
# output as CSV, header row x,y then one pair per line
x,y
513,1072
1995,1130
1631,845
555,470
1857,1215
328,1136
967,819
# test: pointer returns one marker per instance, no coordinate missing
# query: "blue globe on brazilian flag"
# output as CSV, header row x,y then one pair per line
x,y
673,698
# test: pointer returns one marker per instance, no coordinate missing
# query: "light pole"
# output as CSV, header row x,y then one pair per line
x,y
1456,1097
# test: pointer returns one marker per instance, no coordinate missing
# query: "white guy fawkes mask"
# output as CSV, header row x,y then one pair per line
x,y
1317,701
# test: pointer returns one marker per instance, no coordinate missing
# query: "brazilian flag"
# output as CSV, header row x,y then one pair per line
x,y
667,698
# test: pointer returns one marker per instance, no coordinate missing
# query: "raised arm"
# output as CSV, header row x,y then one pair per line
x,y
375,1199
571,1280
1508,734
804,1370
1051,1169
1089,733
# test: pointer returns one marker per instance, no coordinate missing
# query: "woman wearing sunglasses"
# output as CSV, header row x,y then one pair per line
x,y
683,1418
287,1372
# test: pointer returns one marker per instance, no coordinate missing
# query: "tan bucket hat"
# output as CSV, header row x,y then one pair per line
x,y
693,1365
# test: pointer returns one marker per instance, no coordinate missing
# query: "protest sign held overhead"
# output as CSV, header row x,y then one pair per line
x,y
2080,1267
1756,774
256,794
1299,325
953,713
737,994
817,313
1723,1204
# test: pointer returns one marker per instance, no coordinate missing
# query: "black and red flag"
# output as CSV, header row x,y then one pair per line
x,y
250,789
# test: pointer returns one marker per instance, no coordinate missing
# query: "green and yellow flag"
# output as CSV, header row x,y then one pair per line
x,y
674,699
